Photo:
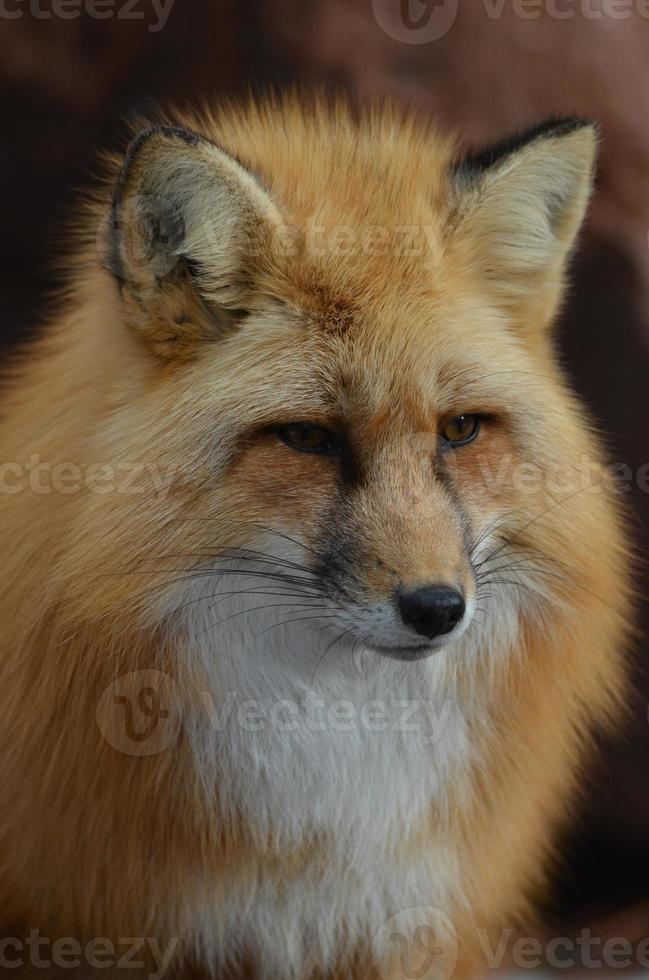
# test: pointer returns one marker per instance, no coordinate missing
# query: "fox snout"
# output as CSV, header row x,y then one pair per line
x,y
398,566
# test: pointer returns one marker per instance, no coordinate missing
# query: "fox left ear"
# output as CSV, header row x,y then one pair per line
x,y
187,231
517,208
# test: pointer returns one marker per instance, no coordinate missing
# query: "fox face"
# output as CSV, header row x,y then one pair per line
x,y
353,415
376,487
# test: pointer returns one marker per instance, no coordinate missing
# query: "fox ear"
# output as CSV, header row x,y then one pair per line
x,y
517,209
187,228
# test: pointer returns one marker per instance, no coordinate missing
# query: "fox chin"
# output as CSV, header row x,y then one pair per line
x,y
317,678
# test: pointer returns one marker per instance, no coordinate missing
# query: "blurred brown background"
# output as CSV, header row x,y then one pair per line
x,y
69,79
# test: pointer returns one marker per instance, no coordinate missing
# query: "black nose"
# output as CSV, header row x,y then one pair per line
x,y
433,610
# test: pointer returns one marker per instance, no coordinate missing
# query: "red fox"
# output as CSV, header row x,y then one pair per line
x,y
314,588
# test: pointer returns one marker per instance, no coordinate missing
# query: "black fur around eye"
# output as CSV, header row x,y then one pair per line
x,y
461,430
306,437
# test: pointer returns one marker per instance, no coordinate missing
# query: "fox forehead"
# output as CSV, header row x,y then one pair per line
x,y
390,368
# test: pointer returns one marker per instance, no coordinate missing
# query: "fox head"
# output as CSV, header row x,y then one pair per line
x,y
334,335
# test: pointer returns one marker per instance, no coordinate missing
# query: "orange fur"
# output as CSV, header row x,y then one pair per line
x,y
384,345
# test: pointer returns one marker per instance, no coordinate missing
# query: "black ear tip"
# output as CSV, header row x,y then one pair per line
x,y
141,139
478,161
164,130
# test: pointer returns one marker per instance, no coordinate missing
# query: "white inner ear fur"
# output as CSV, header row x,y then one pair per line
x,y
227,214
220,214
522,215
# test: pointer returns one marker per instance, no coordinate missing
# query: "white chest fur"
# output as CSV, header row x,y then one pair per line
x,y
343,749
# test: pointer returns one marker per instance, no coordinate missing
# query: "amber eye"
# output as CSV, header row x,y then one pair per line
x,y
462,429
309,438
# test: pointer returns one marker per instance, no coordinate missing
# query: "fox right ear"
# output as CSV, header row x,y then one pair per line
x,y
518,207
187,226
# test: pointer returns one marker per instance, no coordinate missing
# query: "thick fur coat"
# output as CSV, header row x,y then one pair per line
x,y
215,729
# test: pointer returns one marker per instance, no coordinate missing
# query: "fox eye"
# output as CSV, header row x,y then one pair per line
x,y
462,429
309,438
